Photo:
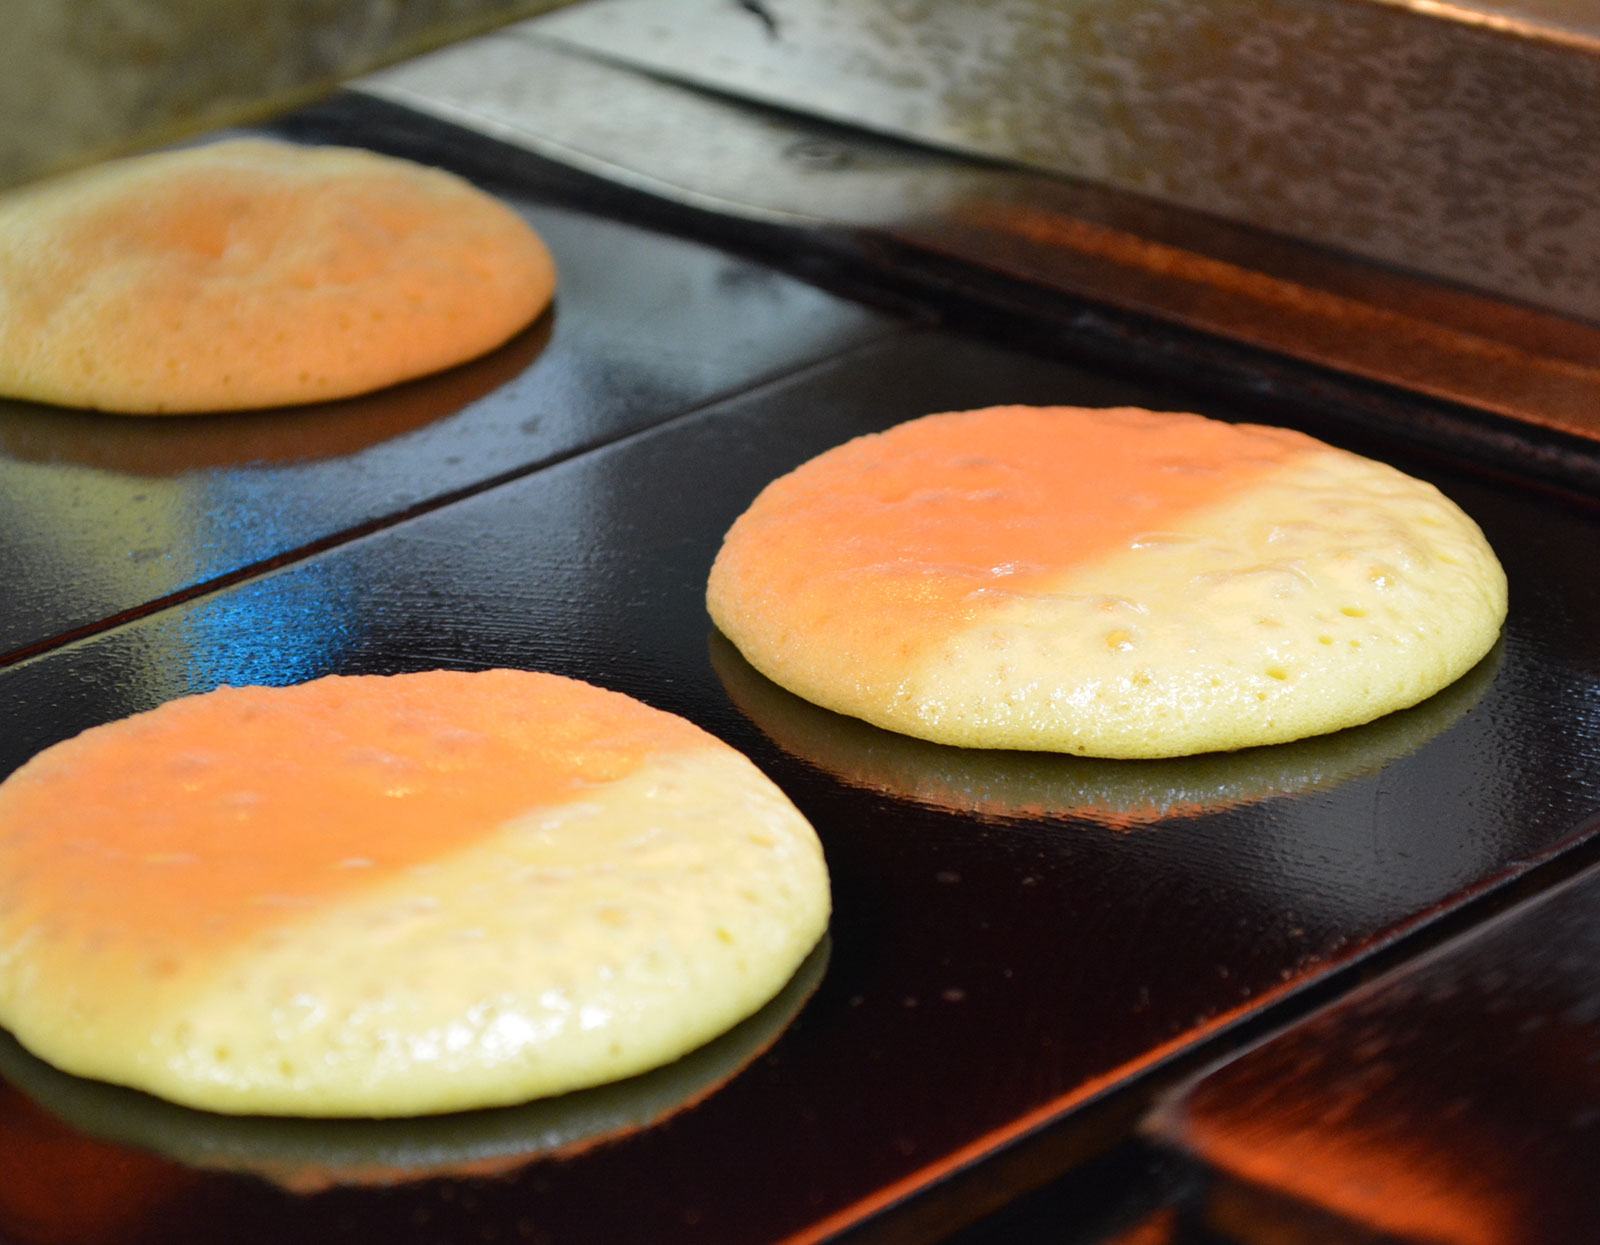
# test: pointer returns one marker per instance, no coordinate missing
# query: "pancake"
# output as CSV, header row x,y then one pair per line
x,y
373,896
1116,583
253,273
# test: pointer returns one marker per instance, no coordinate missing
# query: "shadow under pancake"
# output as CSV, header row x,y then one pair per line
x,y
1121,794
169,445
307,1155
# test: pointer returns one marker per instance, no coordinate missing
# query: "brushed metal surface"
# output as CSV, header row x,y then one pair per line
x,y
1574,20
1040,231
1454,140
83,80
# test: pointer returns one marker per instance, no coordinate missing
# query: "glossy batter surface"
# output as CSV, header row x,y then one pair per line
x,y
252,273
395,895
1114,583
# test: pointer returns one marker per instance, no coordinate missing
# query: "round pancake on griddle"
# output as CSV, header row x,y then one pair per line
x,y
254,273
374,896
1113,583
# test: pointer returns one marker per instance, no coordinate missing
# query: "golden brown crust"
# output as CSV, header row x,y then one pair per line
x,y
254,273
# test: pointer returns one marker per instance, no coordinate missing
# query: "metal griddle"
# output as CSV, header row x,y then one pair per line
x,y
1025,950
1332,1130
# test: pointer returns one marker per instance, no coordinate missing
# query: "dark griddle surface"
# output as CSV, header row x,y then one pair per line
x,y
1019,938
100,514
1456,1099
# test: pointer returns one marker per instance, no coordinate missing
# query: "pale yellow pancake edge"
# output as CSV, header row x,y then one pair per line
x,y
580,945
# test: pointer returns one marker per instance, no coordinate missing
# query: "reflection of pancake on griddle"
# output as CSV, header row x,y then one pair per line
x,y
57,1185
33,433
307,1155
1122,794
